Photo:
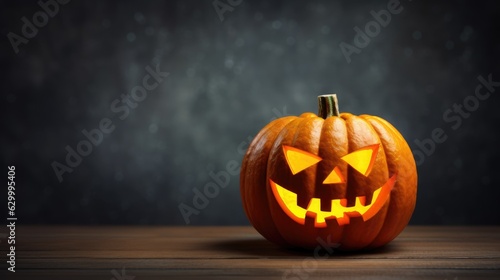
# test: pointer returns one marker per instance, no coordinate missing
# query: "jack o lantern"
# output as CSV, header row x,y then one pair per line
x,y
348,179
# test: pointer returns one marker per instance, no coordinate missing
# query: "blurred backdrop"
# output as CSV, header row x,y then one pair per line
x,y
232,67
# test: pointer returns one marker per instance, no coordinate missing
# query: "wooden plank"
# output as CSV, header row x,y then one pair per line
x,y
283,264
261,274
79,252
239,242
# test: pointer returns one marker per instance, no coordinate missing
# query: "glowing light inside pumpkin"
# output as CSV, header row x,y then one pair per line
x,y
362,160
288,202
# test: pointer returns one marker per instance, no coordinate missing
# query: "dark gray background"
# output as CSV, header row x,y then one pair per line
x,y
227,80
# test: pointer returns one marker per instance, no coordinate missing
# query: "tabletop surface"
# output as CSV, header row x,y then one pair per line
x,y
135,253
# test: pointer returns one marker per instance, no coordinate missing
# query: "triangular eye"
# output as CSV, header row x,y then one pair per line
x,y
363,159
299,160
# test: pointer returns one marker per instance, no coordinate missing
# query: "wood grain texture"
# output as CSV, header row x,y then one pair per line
x,y
78,252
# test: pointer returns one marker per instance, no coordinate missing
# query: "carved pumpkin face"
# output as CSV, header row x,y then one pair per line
x,y
348,179
361,160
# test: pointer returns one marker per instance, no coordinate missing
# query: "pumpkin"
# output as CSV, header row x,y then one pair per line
x,y
351,180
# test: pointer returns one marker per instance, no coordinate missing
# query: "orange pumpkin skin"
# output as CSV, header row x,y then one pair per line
x,y
330,139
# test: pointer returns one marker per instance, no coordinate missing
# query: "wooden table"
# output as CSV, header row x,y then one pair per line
x,y
132,252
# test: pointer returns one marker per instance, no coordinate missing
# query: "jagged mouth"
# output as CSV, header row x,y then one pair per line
x,y
339,210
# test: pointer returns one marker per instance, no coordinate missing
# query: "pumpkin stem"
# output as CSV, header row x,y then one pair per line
x,y
328,106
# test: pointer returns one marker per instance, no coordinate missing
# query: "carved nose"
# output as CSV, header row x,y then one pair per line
x,y
334,177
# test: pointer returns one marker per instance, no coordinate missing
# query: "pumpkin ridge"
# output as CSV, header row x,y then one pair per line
x,y
345,117
404,219
332,229
388,202
269,197
319,131
264,132
244,193
353,233
250,150
271,232
305,128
